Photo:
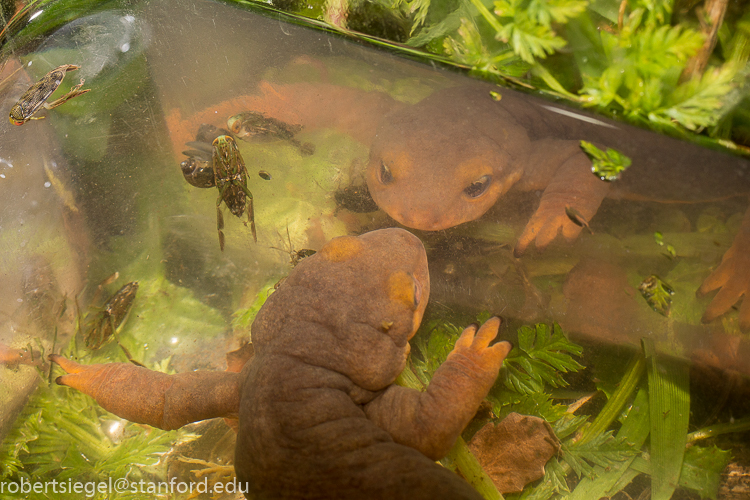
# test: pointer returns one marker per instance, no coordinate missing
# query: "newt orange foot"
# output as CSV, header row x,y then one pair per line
x,y
319,414
732,277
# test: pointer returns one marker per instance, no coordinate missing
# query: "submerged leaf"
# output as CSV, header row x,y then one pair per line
x,y
602,450
514,451
435,349
669,408
607,165
539,404
702,468
658,294
542,355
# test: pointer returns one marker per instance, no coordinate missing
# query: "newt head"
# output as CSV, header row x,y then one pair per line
x,y
360,300
432,168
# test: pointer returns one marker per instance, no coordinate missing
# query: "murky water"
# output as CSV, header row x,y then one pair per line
x,y
96,188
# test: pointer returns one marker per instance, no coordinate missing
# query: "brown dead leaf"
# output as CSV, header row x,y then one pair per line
x,y
514,451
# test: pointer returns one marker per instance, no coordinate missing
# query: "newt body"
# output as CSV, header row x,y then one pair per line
x,y
448,159
319,414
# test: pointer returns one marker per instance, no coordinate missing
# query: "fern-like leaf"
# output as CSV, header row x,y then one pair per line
x,y
542,356
603,450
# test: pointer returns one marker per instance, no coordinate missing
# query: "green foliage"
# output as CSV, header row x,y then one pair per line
x,y
602,450
634,64
607,165
538,404
242,318
543,354
642,78
527,25
702,468
552,482
542,357
62,435
434,348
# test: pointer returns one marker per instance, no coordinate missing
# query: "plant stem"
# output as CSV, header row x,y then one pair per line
x,y
612,409
741,425
469,467
487,15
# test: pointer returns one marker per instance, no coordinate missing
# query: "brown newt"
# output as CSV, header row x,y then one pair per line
x,y
447,160
319,414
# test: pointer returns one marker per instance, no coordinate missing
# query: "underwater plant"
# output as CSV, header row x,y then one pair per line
x,y
602,453
678,67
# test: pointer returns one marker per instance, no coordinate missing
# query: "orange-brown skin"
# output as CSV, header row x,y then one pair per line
x,y
425,158
14,357
154,398
732,277
327,420
319,414
437,148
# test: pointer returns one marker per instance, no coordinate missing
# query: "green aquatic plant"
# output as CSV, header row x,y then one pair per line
x,y
543,355
607,165
670,66
61,435
600,454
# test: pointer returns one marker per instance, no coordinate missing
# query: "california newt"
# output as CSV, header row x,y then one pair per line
x,y
447,160
319,414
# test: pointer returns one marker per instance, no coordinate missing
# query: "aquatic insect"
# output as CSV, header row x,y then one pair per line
x,y
108,320
37,95
198,169
295,256
250,124
577,218
231,179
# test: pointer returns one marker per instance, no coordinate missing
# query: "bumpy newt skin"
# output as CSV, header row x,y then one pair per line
x,y
327,421
447,160
319,414
451,156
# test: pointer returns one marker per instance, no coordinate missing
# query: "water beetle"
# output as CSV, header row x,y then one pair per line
x,y
37,95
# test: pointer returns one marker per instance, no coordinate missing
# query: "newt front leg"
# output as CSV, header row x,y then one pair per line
x,y
431,421
573,186
733,278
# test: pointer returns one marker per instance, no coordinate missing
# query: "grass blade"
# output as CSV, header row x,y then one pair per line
x,y
669,404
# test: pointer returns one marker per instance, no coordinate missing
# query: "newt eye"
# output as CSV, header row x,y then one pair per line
x,y
384,174
478,187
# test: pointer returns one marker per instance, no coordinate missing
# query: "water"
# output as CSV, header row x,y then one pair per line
x,y
95,189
